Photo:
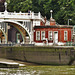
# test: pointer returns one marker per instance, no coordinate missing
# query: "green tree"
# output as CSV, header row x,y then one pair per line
x,y
66,11
62,9
19,5
51,5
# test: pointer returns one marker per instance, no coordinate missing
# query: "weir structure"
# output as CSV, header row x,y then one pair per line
x,y
18,26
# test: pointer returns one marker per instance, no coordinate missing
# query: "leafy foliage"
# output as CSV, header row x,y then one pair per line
x,y
62,9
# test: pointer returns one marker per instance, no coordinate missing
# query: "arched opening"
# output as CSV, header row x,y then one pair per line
x,y
16,33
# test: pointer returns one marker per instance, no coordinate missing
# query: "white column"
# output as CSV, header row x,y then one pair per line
x,y
23,23
31,35
6,32
32,15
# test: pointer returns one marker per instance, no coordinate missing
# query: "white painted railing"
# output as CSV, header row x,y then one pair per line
x,y
21,15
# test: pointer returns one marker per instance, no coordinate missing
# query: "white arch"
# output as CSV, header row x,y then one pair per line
x,y
17,24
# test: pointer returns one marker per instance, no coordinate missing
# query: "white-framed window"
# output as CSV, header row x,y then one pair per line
x,y
42,35
37,35
65,35
50,35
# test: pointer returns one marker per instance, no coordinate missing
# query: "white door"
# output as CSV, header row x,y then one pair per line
x,y
55,37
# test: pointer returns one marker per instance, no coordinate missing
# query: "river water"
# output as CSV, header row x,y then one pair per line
x,y
39,70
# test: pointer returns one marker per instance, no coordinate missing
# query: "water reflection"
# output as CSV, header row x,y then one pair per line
x,y
39,70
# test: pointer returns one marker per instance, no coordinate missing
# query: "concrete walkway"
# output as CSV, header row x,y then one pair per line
x,y
13,63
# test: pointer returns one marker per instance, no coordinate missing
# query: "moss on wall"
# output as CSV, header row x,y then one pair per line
x,y
42,55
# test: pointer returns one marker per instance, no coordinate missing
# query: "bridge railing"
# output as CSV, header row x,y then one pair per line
x,y
21,15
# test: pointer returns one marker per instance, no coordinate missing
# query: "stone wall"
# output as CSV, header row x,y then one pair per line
x,y
41,55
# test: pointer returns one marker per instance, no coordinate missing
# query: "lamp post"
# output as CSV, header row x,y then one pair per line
x,y
5,6
51,12
69,20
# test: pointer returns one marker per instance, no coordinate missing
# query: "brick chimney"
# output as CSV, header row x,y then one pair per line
x,y
52,22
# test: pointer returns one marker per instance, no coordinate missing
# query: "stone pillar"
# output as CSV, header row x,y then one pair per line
x,y
5,6
31,35
32,15
52,22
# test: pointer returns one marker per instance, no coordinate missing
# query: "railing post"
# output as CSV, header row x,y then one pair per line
x,y
5,13
14,13
32,15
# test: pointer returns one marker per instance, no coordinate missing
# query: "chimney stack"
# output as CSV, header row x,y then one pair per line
x,y
52,22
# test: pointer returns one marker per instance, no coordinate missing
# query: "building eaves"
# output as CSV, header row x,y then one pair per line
x,y
54,26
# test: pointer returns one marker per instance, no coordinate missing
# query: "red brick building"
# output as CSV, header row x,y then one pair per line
x,y
52,34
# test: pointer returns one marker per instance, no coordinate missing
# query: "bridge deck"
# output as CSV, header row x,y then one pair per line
x,y
19,15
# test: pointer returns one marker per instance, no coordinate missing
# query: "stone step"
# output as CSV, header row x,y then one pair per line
x,y
6,63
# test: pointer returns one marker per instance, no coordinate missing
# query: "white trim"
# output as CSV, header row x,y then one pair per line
x,y
39,44
61,43
41,35
36,35
49,44
42,44
66,36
